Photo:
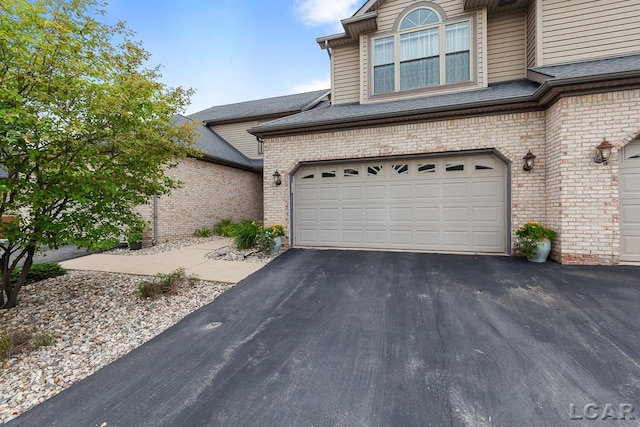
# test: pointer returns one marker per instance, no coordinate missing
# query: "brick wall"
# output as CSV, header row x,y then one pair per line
x,y
583,196
210,192
566,190
511,135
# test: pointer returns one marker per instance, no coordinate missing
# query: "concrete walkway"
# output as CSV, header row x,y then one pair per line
x,y
192,258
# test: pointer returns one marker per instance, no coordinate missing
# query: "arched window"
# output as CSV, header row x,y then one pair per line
x,y
425,52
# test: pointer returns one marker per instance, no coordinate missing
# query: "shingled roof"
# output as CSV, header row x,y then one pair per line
x,y
269,107
530,93
218,150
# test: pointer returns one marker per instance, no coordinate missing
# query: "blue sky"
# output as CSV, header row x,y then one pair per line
x,y
236,50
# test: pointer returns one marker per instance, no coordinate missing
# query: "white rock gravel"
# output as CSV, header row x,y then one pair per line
x,y
229,253
163,247
96,318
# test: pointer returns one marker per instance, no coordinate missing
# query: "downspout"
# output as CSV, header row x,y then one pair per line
x,y
155,221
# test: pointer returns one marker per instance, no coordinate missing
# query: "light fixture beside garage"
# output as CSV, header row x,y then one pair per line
x,y
277,178
528,161
603,152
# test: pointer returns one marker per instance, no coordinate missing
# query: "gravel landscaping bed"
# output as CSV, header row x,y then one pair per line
x,y
163,247
229,253
96,318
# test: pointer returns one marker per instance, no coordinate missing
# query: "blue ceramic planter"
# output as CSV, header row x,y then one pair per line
x,y
544,247
277,244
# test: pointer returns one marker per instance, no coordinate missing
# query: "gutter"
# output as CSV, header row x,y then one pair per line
x,y
155,221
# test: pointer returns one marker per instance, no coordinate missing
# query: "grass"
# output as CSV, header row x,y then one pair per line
x,y
165,284
23,341
225,227
203,232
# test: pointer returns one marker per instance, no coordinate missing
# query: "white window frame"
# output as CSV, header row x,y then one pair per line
x,y
441,52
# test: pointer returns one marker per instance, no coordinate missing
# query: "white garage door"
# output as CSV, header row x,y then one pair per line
x,y
630,202
452,204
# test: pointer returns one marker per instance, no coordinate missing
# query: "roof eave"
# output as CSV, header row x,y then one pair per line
x,y
546,94
353,28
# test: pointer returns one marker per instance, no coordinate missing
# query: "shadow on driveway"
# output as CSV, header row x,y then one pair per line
x,y
356,338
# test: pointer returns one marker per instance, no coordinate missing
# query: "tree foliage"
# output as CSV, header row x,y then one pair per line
x,y
86,130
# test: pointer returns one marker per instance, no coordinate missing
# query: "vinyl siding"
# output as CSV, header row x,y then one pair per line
x,y
506,45
346,74
531,34
391,10
578,30
236,135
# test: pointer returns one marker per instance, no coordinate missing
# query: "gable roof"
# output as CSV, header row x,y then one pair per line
x,y
218,150
262,108
545,84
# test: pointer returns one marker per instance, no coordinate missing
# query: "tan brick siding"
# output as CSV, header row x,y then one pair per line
x,y
583,196
210,192
511,135
566,189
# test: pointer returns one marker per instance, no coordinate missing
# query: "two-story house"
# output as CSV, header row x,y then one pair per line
x,y
435,105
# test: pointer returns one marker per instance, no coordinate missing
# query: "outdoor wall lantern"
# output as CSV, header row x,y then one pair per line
x,y
528,161
277,178
603,152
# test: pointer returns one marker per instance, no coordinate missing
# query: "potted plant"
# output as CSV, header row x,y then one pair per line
x,y
534,241
135,234
269,239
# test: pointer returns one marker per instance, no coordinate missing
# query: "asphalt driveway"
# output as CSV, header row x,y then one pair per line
x,y
355,338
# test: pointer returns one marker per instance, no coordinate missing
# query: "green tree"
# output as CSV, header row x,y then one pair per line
x,y
86,130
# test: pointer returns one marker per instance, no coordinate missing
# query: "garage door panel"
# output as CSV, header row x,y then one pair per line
x,y
352,237
401,215
307,194
630,215
400,192
307,215
307,236
491,215
491,189
403,238
329,236
488,241
455,190
328,194
375,192
456,215
407,204
352,215
428,215
375,237
376,214
630,183
426,192
329,215
456,239
352,194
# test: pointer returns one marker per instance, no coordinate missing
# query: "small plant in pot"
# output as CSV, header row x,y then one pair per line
x,y
534,241
135,234
269,239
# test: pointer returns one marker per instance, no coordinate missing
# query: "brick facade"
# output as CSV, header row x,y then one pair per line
x,y
210,192
566,189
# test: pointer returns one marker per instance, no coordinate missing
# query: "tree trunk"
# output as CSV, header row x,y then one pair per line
x,y
12,300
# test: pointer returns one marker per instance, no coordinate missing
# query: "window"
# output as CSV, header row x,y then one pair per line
x,y
402,169
328,174
260,146
351,172
375,170
454,167
426,167
425,52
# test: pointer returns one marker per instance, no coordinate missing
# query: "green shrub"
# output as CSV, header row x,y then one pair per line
x,y
203,232
528,236
43,339
225,227
165,284
22,341
245,233
40,271
135,234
